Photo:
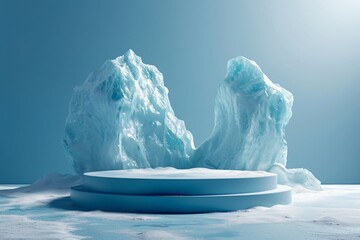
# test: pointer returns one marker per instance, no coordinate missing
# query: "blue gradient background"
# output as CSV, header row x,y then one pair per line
x,y
312,48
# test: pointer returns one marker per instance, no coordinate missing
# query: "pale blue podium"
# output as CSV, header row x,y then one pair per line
x,y
169,190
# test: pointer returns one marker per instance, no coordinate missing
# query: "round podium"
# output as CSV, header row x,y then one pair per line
x,y
169,190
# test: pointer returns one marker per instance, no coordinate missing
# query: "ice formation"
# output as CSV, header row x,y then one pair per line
x,y
251,114
121,118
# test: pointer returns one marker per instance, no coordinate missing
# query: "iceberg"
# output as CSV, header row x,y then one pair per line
x,y
121,118
251,114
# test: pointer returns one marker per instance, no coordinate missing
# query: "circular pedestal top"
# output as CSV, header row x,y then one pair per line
x,y
171,181
173,173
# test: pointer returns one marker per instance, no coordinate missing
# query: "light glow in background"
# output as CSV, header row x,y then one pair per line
x,y
312,48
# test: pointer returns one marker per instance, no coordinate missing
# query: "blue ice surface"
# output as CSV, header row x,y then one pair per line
x,y
332,214
121,118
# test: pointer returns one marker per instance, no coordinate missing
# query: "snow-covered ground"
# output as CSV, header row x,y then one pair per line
x,y
44,211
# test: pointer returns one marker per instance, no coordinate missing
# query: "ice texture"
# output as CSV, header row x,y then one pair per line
x,y
121,118
251,114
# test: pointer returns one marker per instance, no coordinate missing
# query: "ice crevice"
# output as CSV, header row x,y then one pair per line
x,y
121,118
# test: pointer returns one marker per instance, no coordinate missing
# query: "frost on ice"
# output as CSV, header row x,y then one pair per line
x,y
121,118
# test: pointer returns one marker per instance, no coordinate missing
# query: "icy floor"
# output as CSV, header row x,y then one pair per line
x,y
47,213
